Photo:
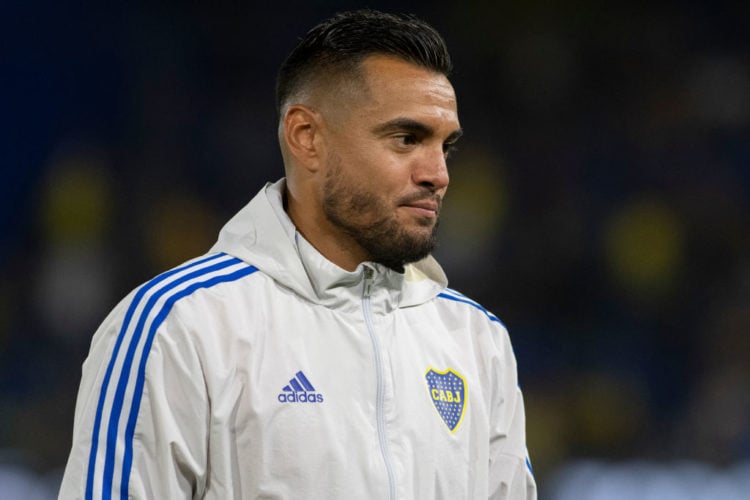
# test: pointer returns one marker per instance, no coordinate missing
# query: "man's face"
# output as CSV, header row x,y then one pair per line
x,y
385,166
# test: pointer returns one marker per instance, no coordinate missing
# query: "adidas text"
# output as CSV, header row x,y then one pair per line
x,y
300,397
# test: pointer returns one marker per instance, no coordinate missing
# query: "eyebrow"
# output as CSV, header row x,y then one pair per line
x,y
413,126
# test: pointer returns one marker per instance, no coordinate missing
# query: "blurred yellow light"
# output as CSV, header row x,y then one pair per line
x,y
76,203
644,247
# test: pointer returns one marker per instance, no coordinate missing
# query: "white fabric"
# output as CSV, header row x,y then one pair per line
x,y
229,344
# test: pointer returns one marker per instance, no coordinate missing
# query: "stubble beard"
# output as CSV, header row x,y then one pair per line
x,y
374,226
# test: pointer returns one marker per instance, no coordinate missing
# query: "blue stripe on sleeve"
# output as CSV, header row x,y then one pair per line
x,y
102,395
117,403
141,378
463,300
152,288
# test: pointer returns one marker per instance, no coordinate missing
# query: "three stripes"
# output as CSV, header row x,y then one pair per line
x,y
122,388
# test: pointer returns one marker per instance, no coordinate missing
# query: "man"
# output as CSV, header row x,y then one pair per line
x,y
315,351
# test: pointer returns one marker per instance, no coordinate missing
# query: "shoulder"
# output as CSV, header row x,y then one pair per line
x,y
203,273
156,306
154,302
461,302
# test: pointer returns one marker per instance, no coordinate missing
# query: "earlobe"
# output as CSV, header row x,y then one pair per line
x,y
301,130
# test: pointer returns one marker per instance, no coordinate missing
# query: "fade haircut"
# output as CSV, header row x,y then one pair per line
x,y
336,48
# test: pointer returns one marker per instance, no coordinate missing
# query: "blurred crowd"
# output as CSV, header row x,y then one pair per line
x,y
599,203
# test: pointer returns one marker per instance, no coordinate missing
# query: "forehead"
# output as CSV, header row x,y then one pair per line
x,y
395,87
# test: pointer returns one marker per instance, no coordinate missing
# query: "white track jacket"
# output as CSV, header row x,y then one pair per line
x,y
263,371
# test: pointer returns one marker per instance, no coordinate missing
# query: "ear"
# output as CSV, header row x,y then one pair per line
x,y
302,133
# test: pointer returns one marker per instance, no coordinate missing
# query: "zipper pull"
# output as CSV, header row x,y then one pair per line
x,y
369,273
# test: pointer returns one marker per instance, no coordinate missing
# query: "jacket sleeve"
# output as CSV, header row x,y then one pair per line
x,y
510,473
140,426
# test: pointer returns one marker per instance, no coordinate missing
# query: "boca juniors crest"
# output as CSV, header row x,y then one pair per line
x,y
448,393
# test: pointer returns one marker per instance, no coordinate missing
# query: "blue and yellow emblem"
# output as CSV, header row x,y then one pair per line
x,y
448,393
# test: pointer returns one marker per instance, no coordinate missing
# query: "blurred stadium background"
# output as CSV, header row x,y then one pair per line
x,y
599,206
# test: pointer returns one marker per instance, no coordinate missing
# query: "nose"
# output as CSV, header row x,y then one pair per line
x,y
431,170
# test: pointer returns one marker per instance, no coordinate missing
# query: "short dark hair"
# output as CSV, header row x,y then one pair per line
x,y
339,44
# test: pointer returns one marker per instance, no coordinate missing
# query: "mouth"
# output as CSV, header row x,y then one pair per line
x,y
423,207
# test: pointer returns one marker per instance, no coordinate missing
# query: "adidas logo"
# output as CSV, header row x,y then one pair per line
x,y
299,390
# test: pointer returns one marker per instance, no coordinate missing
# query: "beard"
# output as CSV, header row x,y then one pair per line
x,y
373,225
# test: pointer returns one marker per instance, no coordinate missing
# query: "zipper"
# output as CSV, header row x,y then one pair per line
x,y
380,393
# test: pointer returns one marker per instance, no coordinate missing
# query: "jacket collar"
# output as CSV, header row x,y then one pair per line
x,y
263,235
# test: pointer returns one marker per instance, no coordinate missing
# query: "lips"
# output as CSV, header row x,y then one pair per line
x,y
424,205
428,206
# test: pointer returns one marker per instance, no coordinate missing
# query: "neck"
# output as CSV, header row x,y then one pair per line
x,y
331,242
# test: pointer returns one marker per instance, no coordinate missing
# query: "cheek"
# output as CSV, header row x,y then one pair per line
x,y
371,167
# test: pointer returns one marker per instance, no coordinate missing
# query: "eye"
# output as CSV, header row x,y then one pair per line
x,y
406,139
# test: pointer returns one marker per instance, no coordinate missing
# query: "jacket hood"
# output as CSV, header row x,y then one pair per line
x,y
263,235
